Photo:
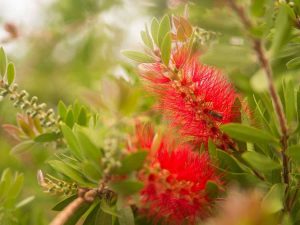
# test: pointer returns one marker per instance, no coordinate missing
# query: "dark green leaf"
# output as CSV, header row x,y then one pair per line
x,y
248,134
91,171
10,73
70,119
260,162
212,189
228,162
79,213
61,205
132,162
88,148
82,117
127,187
47,137
103,218
138,56
3,62
91,218
111,210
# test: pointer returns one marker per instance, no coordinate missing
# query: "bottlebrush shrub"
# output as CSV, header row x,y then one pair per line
x,y
196,98
104,179
175,180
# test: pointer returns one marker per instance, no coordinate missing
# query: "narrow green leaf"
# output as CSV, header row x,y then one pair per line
x,y
164,28
62,110
248,134
17,186
47,137
91,171
154,30
166,49
10,73
127,187
25,202
132,162
138,56
260,161
70,119
146,38
293,63
289,99
66,170
282,29
71,140
3,62
91,218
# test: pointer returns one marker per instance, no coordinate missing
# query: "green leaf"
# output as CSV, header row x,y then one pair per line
x,y
260,161
47,137
89,150
212,149
71,140
282,29
63,168
62,110
70,119
293,63
294,153
82,117
79,213
212,189
138,56
103,218
248,134
154,30
164,28
3,62
22,147
111,210
132,162
273,200
127,187
10,73
147,38
126,215
91,218
62,204
91,171
166,49
228,162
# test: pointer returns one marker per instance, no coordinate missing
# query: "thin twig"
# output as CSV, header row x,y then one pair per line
x,y
260,53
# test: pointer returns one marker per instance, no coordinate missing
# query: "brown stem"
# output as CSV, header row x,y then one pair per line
x,y
260,53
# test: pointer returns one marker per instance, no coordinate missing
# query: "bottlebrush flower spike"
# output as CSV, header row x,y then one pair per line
x,y
196,98
174,182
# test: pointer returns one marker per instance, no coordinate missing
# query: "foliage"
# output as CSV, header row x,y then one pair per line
x,y
168,149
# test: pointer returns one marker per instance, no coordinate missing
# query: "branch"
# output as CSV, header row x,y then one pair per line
x,y
261,55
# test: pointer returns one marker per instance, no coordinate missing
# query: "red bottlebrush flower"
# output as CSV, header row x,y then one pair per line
x,y
197,99
175,179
